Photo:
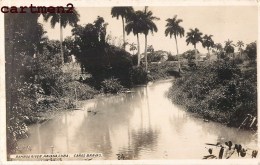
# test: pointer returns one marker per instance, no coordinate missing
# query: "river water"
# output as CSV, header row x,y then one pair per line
x,y
143,124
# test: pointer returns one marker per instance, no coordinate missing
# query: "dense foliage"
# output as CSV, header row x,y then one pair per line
x,y
221,91
111,86
20,48
99,58
251,51
35,81
156,56
172,58
189,54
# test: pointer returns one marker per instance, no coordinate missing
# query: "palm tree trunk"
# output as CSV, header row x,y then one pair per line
x,y
138,51
209,54
196,58
145,54
179,64
61,47
240,52
123,32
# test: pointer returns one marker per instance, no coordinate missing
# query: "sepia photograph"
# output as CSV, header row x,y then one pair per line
x,y
130,82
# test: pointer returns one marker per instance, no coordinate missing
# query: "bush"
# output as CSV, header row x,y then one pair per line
x,y
134,59
138,76
238,61
111,85
162,71
155,56
82,90
220,91
225,70
251,51
172,58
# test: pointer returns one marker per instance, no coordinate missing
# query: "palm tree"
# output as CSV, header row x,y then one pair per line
x,y
208,43
173,28
229,47
133,47
133,24
194,37
64,19
147,19
218,46
124,12
240,44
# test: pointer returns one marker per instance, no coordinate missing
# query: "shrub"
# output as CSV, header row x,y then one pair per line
x,y
172,58
138,76
134,59
111,85
155,56
220,91
82,90
251,51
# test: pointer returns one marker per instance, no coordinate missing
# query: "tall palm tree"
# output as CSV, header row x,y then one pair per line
x,y
240,44
124,12
147,19
63,19
173,28
134,25
194,37
208,42
133,47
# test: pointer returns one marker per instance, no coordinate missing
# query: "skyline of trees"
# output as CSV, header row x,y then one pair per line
x,y
139,34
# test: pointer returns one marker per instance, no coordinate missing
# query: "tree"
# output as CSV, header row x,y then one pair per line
x,y
251,51
173,28
69,48
133,47
218,46
100,59
229,47
240,44
147,19
208,43
90,44
64,19
134,25
23,35
156,56
189,55
124,12
194,37
150,48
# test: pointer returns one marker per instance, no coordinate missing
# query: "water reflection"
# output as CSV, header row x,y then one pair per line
x,y
141,125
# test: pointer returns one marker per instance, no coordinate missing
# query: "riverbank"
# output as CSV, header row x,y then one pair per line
x,y
222,91
133,116
75,91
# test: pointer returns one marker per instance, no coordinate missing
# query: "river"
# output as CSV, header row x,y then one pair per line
x,y
143,124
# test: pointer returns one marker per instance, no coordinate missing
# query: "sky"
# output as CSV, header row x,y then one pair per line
x,y
223,22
